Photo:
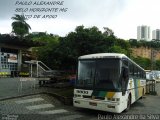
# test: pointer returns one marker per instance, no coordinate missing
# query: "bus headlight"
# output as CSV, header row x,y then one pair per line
x,y
111,106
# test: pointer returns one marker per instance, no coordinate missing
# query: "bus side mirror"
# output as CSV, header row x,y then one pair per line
x,y
125,72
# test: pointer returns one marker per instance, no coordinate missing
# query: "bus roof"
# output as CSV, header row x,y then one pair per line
x,y
108,55
102,55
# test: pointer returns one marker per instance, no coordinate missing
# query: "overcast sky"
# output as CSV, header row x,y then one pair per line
x,y
122,16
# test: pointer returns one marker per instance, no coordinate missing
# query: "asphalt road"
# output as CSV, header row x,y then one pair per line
x,y
45,107
39,107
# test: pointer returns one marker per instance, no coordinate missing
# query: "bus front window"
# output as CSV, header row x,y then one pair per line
x,y
107,74
99,73
86,71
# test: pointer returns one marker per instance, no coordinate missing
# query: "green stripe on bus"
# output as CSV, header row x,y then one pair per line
x,y
99,93
136,88
102,94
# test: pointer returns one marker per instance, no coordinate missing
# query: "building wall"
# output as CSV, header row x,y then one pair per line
x,y
10,61
143,33
156,34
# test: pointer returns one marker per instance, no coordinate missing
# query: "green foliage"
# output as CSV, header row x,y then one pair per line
x,y
142,43
46,53
108,32
146,63
63,52
157,65
87,41
117,49
19,26
143,62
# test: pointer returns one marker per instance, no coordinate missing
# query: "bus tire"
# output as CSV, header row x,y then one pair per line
x,y
128,103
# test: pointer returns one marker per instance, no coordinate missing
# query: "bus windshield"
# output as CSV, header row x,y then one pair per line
x,y
99,73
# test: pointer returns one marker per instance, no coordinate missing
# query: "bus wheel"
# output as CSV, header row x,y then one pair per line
x,y
128,103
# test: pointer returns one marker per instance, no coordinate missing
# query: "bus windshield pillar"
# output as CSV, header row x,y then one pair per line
x,y
125,79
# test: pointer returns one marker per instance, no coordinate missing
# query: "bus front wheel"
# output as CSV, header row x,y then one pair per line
x,y
128,103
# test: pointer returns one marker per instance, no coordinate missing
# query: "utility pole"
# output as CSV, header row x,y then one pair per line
x,y
153,55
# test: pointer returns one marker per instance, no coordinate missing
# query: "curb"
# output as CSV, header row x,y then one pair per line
x,y
64,100
18,96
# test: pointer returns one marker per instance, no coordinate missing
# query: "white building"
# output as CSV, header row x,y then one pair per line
x,y
143,33
156,34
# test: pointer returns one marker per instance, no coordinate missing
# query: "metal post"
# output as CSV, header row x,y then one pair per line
x,y
152,59
37,69
31,70
19,61
0,60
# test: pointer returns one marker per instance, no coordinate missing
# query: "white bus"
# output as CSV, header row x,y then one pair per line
x,y
109,82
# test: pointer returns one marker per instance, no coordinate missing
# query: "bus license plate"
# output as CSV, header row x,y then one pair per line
x,y
93,103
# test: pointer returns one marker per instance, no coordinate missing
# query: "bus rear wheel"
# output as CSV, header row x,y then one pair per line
x,y
128,103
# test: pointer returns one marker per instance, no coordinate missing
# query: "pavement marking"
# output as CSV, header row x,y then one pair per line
x,y
70,117
29,100
53,111
41,106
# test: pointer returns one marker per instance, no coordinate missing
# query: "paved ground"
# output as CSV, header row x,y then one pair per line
x,y
11,87
150,104
37,107
45,107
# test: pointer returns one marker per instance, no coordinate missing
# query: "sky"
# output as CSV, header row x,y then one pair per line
x,y
122,16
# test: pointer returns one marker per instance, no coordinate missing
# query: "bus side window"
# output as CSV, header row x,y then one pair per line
x,y
144,75
130,69
138,73
135,71
140,76
125,62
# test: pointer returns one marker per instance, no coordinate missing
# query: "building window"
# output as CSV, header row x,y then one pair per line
x,y
9,60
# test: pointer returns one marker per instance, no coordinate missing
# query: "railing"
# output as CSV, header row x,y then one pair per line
x,y
39,69
150,87
43,70
43,66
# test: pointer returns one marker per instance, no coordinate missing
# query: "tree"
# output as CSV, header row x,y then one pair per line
x,y
46,53
117,49
19,26
108,32
143,62
80,42
87,41
157,66
63,52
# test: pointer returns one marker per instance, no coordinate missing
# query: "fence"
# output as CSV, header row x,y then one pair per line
x,y
151,87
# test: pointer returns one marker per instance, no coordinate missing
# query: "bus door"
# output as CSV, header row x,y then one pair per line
x,y
124,76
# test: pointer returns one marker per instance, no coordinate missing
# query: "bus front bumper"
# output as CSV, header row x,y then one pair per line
x,y
98,105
